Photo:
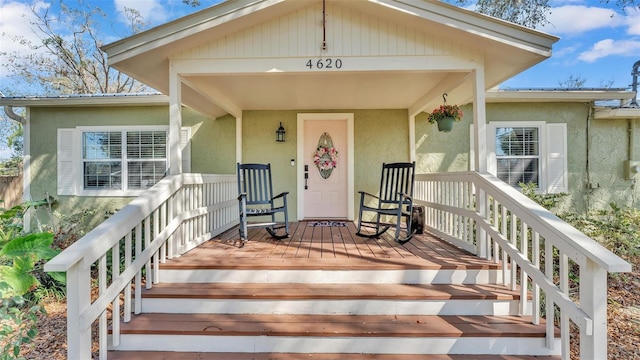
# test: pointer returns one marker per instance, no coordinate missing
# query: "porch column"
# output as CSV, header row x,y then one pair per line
x,y
479,120
412,137
239,139
480,140
175,122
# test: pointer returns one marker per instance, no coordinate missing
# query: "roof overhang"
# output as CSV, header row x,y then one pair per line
x,y
608,113
559,95
502,50
86,100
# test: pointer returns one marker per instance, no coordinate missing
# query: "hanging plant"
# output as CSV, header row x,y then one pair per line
x,y
445,115
445,111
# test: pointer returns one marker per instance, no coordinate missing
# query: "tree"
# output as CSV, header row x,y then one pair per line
x,y
74,63
572,82
529,13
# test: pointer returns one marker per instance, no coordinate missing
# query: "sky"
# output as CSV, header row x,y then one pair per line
x,y
598,43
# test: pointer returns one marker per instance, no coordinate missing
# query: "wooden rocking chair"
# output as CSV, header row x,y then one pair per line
x,y
256,199
395,200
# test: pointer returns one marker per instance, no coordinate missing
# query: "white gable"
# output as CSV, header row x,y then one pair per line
x,y
348,33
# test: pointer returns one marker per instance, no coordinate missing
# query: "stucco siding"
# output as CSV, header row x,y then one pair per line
x,y
43,147
380,136
213,143
212,148
609,148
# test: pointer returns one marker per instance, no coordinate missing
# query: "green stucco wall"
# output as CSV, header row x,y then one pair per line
x,y
212,148
380,136
597,148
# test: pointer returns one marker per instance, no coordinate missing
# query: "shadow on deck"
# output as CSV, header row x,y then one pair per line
x,y
327,248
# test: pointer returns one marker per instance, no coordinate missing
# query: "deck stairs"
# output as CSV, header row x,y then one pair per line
x,y
223,307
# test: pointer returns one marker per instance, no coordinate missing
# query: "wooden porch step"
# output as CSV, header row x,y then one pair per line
x,y
380,334
333,325
372,274
262,291
159,355
354,299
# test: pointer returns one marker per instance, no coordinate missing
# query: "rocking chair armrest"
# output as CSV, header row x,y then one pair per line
x,y
282,194
406,196
363,193
242,196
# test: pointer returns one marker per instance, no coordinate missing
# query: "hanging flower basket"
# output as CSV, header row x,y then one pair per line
x,y
445,116
445,124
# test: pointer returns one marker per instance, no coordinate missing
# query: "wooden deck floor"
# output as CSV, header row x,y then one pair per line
x,y
327,247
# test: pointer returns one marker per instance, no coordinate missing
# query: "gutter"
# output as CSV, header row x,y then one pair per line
x,y
8,109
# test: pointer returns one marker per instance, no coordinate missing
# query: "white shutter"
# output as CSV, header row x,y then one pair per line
x,y
185,145
66,178
556,171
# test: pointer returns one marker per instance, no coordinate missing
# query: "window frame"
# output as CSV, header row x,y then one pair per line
x,y
79,160
541,156
553,145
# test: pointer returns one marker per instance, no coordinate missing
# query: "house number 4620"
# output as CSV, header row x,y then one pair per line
x,y
324,64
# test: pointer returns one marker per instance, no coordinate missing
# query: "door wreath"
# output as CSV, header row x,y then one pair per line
x,y
326,156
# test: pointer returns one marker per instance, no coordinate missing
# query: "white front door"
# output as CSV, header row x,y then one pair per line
x,y
325,194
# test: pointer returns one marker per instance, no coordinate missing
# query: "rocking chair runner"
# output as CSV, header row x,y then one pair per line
x,y
395,200
256,199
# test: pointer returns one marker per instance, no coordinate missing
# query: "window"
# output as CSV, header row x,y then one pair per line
x,y
104,166
528,151
109,161
517,154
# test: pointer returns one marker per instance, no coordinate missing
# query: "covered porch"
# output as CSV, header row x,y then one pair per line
x,y
474,223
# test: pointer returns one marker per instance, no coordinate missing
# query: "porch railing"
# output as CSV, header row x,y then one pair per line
x,y
564,270
122,254
540,252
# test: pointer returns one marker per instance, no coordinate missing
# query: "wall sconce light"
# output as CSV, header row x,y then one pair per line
x,y
280,134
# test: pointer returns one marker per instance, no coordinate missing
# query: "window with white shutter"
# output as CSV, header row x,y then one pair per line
x,y
114,161
523,152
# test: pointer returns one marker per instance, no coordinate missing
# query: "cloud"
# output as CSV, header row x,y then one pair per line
x,y
633,21
577,19
151,11
609,47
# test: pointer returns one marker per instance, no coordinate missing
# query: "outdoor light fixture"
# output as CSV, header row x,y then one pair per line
x,y
280,134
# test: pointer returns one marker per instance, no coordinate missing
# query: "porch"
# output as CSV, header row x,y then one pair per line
x,y
324,283
485,243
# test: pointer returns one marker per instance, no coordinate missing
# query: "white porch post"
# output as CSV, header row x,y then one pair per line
x,y
239,139
412,137
175,122
593,300
480,120
480,133
78,301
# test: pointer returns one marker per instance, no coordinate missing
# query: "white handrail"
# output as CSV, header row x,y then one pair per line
x,y
177,214
487,217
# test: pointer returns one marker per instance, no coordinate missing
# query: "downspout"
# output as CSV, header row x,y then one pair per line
x,y
26,159
8,109
635,71
632,134
588,164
